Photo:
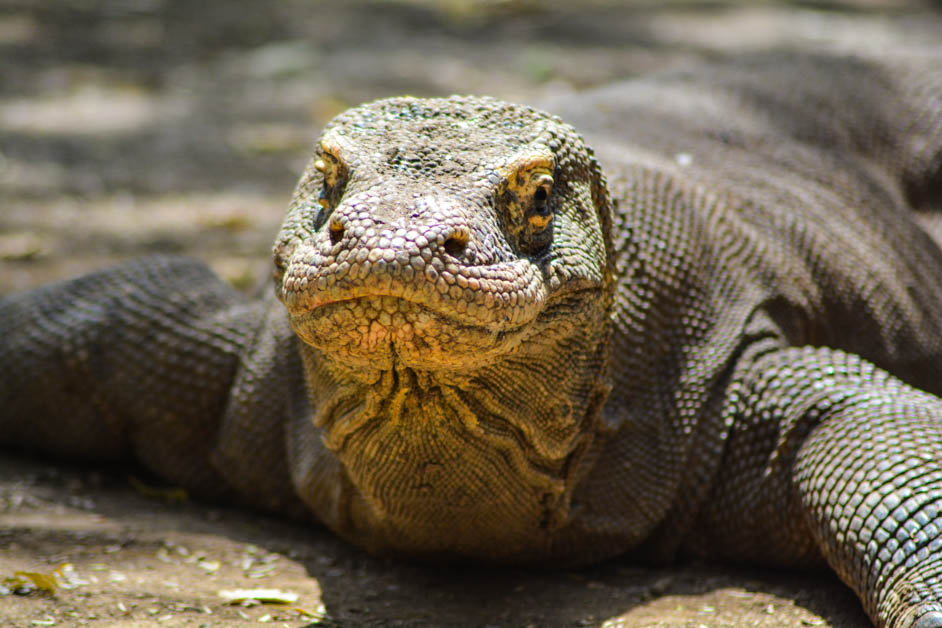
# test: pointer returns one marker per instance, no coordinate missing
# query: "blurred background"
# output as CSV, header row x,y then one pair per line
x,y
135,126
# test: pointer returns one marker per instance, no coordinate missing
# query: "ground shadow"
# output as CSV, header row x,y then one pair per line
x,y
89,516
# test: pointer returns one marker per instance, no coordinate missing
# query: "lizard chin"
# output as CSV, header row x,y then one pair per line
x,y
385,332
438,464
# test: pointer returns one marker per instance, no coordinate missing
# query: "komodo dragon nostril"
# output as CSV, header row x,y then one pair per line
x,y
336,230
456,242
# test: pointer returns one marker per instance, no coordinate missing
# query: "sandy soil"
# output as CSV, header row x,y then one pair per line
x,y
135,126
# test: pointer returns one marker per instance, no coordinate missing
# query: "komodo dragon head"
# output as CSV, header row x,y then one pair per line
x,y
446,264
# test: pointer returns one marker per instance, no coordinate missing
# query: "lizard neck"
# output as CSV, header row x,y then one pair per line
x,y
479,463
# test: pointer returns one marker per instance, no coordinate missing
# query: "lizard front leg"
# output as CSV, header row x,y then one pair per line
x,y
833,457
870,479
133,362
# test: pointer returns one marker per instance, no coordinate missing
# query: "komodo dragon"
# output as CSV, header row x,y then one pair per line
x,y
484,351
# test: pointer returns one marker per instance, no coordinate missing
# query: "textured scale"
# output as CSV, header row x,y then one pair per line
x,y
695,315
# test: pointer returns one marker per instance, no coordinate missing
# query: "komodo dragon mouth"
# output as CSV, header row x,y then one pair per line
x,y
436,319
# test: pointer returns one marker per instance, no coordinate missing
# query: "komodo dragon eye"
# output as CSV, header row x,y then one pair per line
x,y
335,177
541,214
528,194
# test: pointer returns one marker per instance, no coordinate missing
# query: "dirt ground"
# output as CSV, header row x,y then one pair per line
x,y
136,126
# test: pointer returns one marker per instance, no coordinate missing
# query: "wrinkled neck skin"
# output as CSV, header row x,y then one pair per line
x,y
476,463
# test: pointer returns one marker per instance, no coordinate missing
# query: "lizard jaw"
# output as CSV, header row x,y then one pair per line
x,y
380,331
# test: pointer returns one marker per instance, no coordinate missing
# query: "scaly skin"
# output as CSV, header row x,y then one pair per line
x,y
731,348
